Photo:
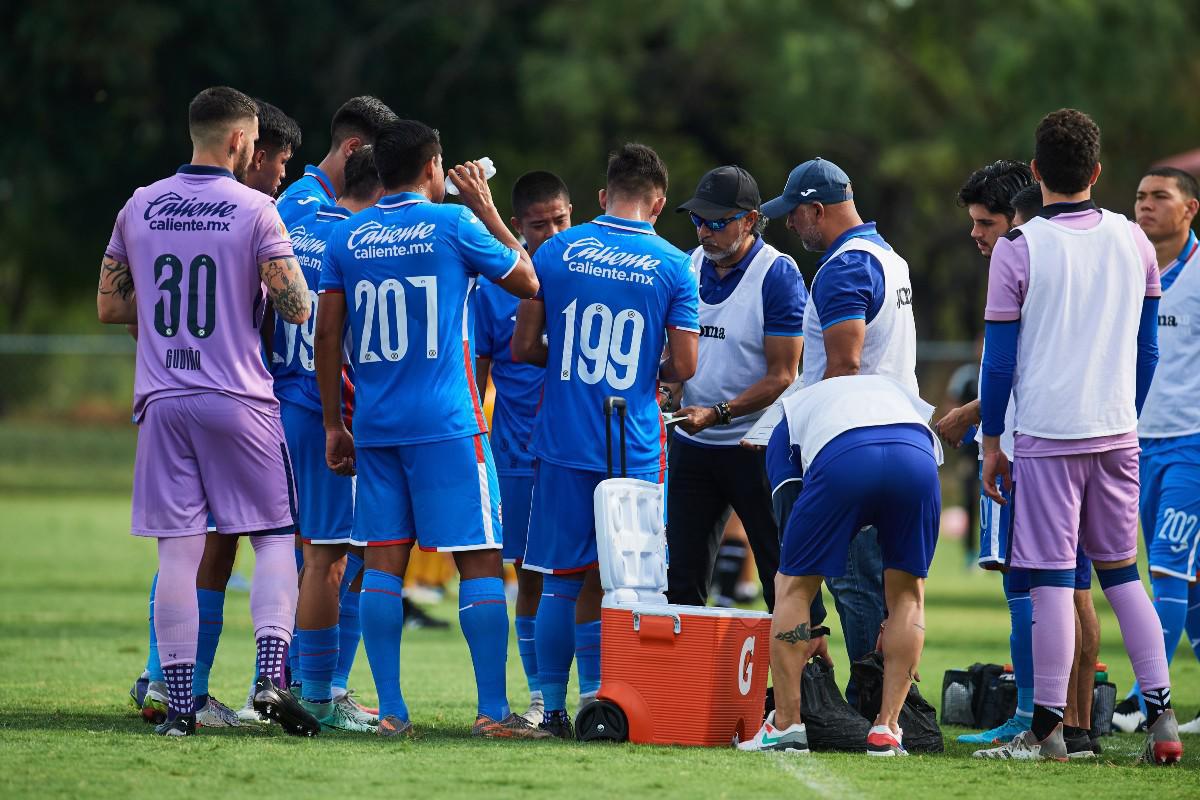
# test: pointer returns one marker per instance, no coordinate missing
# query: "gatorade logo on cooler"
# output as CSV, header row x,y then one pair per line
x,y
746,666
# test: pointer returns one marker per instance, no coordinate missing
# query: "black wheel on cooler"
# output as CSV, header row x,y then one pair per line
x,y
601,721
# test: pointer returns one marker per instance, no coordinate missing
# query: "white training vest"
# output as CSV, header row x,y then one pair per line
x,y
731,356
1172,407
890,346
1077,351
817,414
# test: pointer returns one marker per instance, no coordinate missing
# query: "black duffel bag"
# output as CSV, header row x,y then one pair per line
x,y
918,720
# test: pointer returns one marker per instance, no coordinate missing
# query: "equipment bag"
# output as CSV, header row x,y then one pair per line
x,y
831,722
1104,702
918,719
999,702
956,698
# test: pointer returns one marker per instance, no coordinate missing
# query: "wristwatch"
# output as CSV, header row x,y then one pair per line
x,y
723,415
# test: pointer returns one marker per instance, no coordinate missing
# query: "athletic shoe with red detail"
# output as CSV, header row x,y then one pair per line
x,y
392,726
881,741
1162,741
793,739
511,727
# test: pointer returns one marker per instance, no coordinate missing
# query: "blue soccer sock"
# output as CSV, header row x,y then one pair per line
x,y
381,607
317,661
527,648
293,656
483,617
154,670
554,633
349,633
587,656
212,620
354,565
1192,624
1171,603
1020,644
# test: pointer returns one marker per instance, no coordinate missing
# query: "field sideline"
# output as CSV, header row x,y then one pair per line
x,y
73,589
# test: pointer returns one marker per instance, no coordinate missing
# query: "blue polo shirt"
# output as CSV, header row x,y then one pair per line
x,y
784,295
850,286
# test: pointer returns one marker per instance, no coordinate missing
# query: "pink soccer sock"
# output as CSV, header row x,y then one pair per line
x,y
274,588
1142,632
176,611
1053,644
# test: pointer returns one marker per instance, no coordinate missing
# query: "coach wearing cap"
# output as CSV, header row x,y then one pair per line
x,y
751,325
858,321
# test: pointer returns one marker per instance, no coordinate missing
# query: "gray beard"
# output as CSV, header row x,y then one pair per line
x,y
722,255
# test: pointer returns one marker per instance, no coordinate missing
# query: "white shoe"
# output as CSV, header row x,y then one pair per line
x,y
1191,727
1128,723
247,715
1026,747
536,711
882,742
352,710
770,739
216,714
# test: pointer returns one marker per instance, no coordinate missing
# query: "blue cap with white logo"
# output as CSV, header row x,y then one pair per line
x,y
815,181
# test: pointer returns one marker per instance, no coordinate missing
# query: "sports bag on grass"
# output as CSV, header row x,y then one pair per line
x,y
917,718
832,723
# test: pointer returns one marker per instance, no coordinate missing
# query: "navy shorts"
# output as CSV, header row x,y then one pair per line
x,y
884,476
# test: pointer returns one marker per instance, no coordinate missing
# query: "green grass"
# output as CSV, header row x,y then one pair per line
x,y
72,638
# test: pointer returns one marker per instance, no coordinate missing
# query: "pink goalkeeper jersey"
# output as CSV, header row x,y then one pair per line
x,y
193,243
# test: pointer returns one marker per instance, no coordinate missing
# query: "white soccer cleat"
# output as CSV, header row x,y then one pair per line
x,y
1192,727
770,739
247,715
1128,721
1026,747
350,709
536,711
216,714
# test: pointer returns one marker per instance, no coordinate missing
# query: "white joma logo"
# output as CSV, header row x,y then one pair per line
x,y
807,192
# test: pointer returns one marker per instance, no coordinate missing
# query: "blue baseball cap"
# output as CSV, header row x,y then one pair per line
x,y
815,181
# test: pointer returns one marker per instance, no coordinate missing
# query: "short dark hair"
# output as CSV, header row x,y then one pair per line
x,y
1186,181
1067,150
538,186
635,169
1028,201
363,116
216,106
993,186
401,150
361,177
276,130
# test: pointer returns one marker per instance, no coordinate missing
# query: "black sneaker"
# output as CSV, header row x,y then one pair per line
x,y
558,724
416,618
1079,746
280,706
1096,748
183,725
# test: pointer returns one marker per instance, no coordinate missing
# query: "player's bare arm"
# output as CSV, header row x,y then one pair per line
x,y
783,357
115,303
843,347
527,343
483,368
684,349
327,353
476,195
286,288
954,426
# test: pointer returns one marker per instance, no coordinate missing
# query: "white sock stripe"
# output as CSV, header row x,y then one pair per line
x,y
1169,600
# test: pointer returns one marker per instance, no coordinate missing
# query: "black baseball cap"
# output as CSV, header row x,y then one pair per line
x,y
723,192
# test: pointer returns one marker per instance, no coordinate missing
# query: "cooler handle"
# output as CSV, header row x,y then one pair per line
x,y
637,619
609,404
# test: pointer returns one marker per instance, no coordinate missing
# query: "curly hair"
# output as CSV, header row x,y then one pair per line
x,y
993,186
1067,149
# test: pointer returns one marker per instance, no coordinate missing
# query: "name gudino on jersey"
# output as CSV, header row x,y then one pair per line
x,y
590,256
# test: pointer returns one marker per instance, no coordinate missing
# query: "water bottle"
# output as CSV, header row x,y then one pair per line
x,y
489,172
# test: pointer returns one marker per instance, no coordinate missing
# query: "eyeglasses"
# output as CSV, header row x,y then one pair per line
x,y
715,225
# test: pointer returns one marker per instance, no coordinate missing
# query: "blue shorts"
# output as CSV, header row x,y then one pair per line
x,y
441,495
884,476
995,527
1170,512
562,522
516,497
325,499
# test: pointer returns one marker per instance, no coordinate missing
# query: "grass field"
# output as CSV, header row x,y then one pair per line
x,y
73,589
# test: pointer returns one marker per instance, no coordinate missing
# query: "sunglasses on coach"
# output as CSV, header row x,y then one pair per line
x,y
715,225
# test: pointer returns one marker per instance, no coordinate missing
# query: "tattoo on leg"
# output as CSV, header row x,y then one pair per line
x,y
919,626
795,635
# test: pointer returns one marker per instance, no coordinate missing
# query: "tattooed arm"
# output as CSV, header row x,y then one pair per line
x,y
286,288
115,302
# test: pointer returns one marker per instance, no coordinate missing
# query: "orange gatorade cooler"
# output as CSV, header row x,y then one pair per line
x,y
669,674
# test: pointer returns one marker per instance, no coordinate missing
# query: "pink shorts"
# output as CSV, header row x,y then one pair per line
x,y
210,453
1084,499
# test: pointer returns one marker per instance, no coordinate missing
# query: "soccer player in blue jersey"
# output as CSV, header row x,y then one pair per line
x,y
541,208
278,140
613,293
403,271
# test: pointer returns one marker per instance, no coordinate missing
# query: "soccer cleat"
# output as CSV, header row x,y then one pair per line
x,y
248,716
536,711
137,692
1162,741
558,725
215,714
183,725
335,716
392,726
1026,747
154,702
882,742
280,706
1127,716
1079,746
359,713
511,727
998,735
348,694
1191,727
770,739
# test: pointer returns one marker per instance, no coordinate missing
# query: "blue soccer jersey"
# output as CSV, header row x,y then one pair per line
x,y
518,386
300,201
407,267
611,288
292,360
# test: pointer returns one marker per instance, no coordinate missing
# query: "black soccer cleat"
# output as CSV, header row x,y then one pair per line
x,y
558,725
278,705
183,725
